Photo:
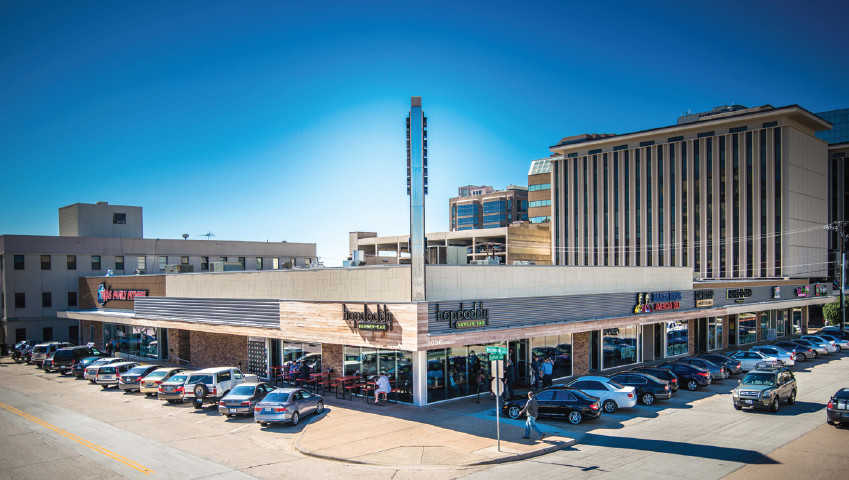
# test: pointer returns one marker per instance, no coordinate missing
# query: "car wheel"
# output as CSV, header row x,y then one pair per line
x,y
319,408
816,354
609,406
513,412
296,418
801,357
575,417
838,349
647,398
774,407
229,415
692,385
737,407
792,399
197,403
105,386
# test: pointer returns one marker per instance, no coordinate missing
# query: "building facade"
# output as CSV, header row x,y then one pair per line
x,y
838,174
732,194
39,274
494,209
539,191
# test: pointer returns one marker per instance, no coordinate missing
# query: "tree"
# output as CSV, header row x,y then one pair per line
x,y
831,312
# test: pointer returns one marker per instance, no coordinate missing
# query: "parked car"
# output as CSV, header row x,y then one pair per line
x,y
47,363
287,405
131,380
611,394
173,389
840,342
40,351
837,409
818,348
65,358
803,352
835,331
828,344
765,388
108,375
733,365
243,398
560,402
788,357
750,359
91,370
647,387
149,385
78,369
690,376
718,372
212,384
661,373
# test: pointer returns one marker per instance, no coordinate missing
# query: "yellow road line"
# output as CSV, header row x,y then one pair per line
x,y
82,441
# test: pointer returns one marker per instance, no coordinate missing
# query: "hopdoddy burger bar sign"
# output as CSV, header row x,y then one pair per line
x,y
474,317
379,320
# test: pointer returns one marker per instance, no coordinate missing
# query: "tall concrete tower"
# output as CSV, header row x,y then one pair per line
x,y
417,189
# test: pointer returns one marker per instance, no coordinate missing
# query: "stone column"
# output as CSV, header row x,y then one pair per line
x,y
691,337
725,324
580,353
332,357
178,345
805,320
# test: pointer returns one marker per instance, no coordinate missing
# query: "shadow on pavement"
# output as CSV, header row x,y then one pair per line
x,y
679,448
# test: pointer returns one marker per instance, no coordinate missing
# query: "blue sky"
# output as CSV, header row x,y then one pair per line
x,y
285,120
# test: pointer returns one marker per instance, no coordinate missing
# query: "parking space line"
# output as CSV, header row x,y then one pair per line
x,y
81,441
243,426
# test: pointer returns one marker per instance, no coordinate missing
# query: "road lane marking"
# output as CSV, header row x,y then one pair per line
x,y
80,440
244,426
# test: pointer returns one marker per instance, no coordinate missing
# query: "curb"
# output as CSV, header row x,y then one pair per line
x,y
493,461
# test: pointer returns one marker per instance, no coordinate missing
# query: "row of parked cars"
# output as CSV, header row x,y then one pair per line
x,y
233,392
769,381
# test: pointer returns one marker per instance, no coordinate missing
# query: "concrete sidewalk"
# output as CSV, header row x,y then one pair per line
x,y
458,433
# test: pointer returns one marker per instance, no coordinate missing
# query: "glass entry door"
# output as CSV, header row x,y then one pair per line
x,y
518,351
595,351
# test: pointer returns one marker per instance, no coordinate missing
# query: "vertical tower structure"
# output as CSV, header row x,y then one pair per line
x,y
417,189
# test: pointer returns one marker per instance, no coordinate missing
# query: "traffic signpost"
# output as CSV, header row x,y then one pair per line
x,y
496,357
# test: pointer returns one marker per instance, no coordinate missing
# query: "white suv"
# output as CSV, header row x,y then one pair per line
x,y
211,384
40,351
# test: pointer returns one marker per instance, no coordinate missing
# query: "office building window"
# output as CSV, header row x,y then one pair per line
x,y
3,265
19,262
620,346
637,174
119,262
735,218
575,206
672,196
606,239
163,260
627,166
660,179
46,299
20,334
763,234
72,262
747,331
777,139
685,232
20,300
697,226
45,262
539,203
204,263
242,262
616,208
184,260
565,216
542,186
72,299
95,262
586,216
119,218
714,333
275,263
677,338
222,259
544,219
749,208
709,209
142,265
259,263
723,267
595,211
649,211
3,302
47,334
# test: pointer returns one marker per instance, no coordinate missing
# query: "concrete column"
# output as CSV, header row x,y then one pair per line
x,y
691,336
580,353
805,320
725,325
420,378
648,342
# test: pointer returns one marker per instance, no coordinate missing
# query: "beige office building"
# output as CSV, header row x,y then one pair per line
x,y
736,192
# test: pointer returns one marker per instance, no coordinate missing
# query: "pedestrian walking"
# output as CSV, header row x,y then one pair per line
x,y
547,371
535,372
531,410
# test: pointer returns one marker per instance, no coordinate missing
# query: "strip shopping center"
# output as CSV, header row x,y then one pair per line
x,y
361,320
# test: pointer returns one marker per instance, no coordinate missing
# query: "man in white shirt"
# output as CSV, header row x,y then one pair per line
x,y
383,387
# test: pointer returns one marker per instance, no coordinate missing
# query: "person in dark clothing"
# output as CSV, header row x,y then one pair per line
x,y
509,374
535,372
304,374
531,409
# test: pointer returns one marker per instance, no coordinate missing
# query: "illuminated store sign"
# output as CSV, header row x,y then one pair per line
x,y
704,298
802,291
649,302
380,320
738,293
474,317
776,292
821,290
105,294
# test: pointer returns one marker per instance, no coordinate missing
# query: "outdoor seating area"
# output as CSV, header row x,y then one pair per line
x,y
343,386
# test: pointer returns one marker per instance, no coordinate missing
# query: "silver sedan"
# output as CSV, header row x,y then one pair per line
x,y
243,398
287,405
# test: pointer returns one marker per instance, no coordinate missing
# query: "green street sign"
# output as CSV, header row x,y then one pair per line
x,y
501,350
496,356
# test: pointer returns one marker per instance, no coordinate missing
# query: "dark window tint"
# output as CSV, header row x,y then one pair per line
x,y
280,397
119,262
46,299
47,334
243,390
842,394
545,396
20,300
95,262
224,376
72,299
45,262
19,262
72,262
119,218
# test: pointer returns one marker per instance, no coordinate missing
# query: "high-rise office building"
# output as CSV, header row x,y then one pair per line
x,y
731,193
417,189
494,209
838,175
539,191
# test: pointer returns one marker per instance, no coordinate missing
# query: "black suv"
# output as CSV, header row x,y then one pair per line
x,y
648,387
65,358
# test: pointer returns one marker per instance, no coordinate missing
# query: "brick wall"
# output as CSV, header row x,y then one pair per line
x,y
580,353
725,324
178,345
218,350
85,337
691,336
332,357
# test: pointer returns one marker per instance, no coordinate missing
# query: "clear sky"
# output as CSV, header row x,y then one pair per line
x,y
285,120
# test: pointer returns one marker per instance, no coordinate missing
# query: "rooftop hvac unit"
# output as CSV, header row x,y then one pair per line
x,y
523,262
179,268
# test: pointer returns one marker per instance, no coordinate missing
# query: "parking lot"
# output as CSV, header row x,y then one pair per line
x,y
50,424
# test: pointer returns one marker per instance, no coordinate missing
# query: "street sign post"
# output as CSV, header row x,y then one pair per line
x,y
497,386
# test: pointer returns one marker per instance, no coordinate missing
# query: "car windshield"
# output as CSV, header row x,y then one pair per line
x,y
136,370
177,379
842,394
157,374
759,379
199,379
107,370
99,362
279,397
616,385
243,390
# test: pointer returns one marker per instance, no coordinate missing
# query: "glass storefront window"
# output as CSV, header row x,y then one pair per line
x,y
765,325
556,347
747,328
797,321
368,362
620,346
138,341
714,333
779,323
677,338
